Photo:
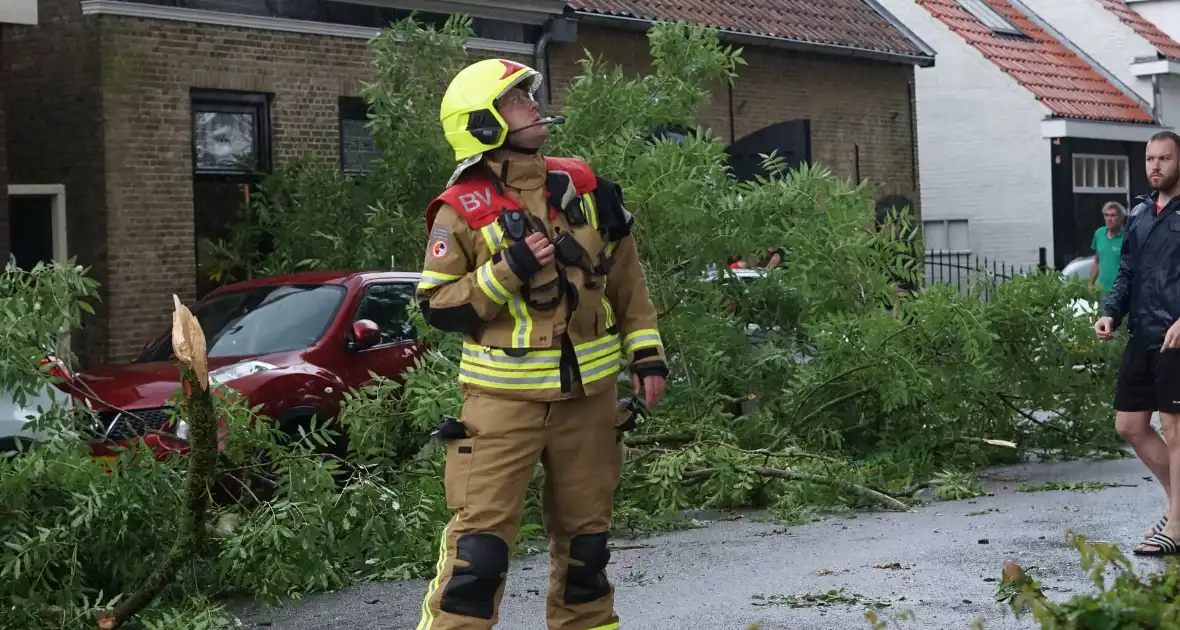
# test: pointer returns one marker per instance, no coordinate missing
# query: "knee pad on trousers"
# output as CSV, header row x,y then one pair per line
x,y
471,591
585,579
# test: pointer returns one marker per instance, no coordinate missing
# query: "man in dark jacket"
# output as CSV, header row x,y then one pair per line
x,y
1147,292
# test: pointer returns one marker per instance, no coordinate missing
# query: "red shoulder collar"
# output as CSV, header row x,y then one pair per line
x,y
579,171
475,198
478,202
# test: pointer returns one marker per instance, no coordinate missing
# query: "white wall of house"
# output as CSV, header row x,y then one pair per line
x,y
1165,14
18,11
1111,44
981,155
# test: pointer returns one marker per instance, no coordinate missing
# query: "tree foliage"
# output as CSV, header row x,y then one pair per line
x,y
863,398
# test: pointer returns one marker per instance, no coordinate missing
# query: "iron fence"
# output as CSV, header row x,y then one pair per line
x,y
963,270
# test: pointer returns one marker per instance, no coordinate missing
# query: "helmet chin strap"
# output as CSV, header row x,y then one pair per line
x,y
512,146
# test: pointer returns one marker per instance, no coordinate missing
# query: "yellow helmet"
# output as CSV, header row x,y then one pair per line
x,y
468,114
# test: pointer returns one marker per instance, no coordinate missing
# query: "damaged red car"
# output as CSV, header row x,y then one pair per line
x,y
293,344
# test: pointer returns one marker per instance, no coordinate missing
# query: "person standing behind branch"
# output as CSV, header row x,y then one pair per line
x,y
1107,245
1145,290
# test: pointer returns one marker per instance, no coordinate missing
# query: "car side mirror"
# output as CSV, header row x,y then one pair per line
x,y
365,334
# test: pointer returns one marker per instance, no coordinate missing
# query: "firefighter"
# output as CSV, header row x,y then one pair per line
x,y
530,258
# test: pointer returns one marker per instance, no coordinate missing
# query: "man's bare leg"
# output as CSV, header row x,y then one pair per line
x,y
1136,429
1171,424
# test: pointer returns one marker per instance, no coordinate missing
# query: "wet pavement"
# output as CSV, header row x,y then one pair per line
x,y
735,573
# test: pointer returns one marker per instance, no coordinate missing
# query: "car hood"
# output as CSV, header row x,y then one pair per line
x,y
137,385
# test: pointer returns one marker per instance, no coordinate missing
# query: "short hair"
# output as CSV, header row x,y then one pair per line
x,y
1117,206
1166,135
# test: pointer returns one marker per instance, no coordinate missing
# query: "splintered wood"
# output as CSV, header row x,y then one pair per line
x,y
188,342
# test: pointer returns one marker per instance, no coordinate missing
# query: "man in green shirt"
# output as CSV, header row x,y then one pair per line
x,y
1107,245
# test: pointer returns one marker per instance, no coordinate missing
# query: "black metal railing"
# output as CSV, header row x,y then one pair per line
x,y
964,270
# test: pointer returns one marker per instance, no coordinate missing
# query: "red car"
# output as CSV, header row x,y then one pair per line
x,y
291,343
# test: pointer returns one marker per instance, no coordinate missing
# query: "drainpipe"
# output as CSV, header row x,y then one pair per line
x,y
1157,99
540,50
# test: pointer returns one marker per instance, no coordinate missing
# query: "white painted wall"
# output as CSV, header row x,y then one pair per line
x,y
980,151
1165,14
1110,43
18,11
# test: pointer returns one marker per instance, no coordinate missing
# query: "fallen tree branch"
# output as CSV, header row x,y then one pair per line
x,y
672,438
822,408
867,493
188,343
671,307
1030,418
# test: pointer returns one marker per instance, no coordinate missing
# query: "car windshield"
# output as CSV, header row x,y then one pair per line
x,y
262,320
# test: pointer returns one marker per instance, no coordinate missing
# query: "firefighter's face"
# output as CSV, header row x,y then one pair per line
x,y
520,110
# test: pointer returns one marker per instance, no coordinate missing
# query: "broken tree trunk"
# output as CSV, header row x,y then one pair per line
x,y
868,493
188,343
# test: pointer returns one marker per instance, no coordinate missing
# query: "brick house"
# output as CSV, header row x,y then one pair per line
x,y
1024,134
133,110
23,12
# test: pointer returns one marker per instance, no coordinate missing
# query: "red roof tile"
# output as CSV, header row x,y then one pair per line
x,y
1164,45
850,23
1061,80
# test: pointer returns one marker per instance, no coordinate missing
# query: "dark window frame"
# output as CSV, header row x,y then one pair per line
x,y
351,108
260,105
410,337
233,101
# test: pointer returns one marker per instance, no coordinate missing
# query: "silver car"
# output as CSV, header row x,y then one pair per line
x,y
15,417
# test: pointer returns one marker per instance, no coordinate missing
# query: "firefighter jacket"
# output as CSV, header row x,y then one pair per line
x,y
534,332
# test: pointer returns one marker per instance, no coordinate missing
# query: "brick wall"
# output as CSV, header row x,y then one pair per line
x,y
50,73
848,101
154,63
135,202
149,134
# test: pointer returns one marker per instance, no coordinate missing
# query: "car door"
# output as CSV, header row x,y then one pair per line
x,y
386,304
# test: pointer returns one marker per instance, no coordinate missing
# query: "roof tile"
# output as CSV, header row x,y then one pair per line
x,y
849,23
1164,45
1061,81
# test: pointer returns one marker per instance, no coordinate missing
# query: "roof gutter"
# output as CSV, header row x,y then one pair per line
x,y
1106,74
737,37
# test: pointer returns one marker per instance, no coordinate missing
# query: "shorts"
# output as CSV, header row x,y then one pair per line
x,y
1148,380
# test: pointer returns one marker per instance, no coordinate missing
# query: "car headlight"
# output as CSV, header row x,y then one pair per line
x,y
182,430
237,371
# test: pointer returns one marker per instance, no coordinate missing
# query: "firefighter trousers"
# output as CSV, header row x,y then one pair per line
x,y
487,477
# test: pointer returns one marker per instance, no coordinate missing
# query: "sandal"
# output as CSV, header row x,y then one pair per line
x,y
1166,546
1159,527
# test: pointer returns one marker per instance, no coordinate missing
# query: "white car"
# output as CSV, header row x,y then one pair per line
x,y
15,417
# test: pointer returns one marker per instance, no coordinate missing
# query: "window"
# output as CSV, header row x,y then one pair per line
x,y
358,152
230,152
263,320
229,132
946,236
990,17
385,305
1100,173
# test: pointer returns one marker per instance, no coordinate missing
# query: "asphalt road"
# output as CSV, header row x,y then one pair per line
x,y
734,573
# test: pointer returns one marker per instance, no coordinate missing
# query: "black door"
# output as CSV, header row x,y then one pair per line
x,y
1087,173
30,230
789,140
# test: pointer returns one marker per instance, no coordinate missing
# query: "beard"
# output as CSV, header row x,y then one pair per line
x,y
1168,180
